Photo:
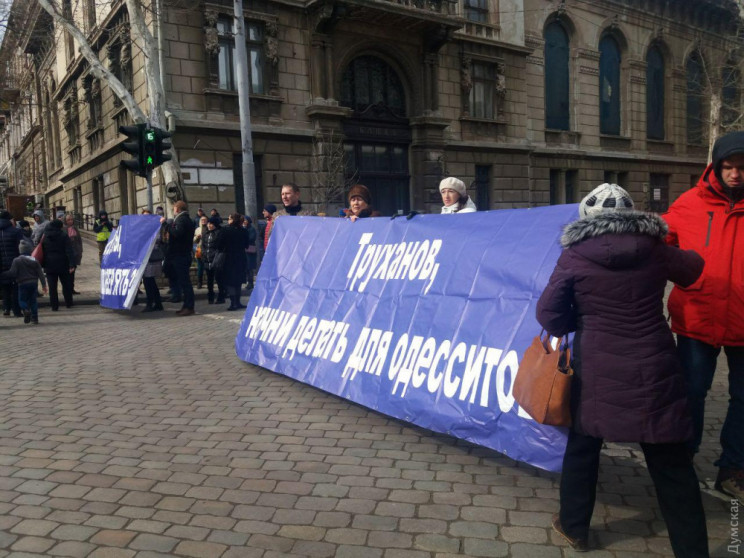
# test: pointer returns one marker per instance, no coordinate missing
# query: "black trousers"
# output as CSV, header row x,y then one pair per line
x,y
152,293
181,264
63,278
214,276
10,298
674,478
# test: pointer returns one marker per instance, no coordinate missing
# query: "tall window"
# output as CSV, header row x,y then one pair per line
x,y
93,99
476,10
120,62
483,93
563,186
371,81
654,94
69,41
556,77
226,56
90,15
730,95
483,186
695,91
72,123
609,86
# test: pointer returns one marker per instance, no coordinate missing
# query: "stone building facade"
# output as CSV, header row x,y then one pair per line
x,y
530,102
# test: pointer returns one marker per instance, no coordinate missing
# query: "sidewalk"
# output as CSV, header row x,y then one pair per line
x,y
130,435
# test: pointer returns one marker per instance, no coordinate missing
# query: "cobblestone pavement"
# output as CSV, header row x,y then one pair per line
x,y
133,435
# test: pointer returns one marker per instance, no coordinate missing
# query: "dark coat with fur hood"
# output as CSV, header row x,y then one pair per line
x,y
608,287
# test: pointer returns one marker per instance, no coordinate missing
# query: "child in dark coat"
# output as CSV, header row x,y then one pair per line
x,y
27,271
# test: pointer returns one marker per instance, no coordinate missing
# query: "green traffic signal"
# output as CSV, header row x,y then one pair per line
x,y
148,145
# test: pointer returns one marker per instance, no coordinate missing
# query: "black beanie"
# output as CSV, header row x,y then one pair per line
x,y
725,147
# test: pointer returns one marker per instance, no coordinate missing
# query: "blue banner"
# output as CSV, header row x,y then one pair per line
x,y
125,258
424,320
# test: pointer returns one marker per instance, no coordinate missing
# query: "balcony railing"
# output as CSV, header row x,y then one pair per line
x,y
444,7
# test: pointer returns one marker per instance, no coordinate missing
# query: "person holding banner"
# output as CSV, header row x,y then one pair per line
x,y
455,196
292,204
153,270
179,253
608,287
360,203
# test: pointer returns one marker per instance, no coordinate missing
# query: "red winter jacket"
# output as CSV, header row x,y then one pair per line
x,y
704,219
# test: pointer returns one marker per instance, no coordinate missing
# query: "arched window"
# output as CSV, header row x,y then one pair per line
x,y
654,94
556,77
730,94
695,91
371,81
609,86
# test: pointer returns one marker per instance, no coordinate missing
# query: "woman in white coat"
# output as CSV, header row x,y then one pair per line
x,y
455,196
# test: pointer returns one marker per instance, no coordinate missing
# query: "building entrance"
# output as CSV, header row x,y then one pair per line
x,y
378,135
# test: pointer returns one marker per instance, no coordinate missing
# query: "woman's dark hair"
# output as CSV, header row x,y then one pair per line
x,y
462,201
237,219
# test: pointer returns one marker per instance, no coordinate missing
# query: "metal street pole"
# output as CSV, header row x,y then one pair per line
x,y
241,71
149,191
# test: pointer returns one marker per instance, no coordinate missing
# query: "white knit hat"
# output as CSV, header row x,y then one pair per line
x,y
453,184
606,197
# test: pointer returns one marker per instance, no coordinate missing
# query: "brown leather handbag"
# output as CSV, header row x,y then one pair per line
x,y
543,383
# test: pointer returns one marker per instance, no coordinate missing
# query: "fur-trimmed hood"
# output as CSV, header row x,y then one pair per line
x,y
614,222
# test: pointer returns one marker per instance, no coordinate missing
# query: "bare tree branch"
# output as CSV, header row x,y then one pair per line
x,y
96,67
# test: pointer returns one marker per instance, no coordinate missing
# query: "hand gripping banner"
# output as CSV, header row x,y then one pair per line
x,y
424,320
125,258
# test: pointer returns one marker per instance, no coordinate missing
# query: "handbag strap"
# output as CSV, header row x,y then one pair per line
x,y
563,343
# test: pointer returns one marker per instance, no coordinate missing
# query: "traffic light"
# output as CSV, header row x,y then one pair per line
x,y
149,149
134,145
162,143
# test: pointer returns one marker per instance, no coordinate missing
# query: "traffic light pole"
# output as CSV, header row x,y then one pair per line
x,y
241,68
149,192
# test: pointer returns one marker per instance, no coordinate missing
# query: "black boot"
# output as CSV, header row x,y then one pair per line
x,y
210,298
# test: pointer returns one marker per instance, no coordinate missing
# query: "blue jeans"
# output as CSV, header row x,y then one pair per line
x,y
27,298
199,271
699,364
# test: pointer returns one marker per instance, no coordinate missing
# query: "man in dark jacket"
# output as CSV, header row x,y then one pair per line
x,y
178,253
710,314
10,236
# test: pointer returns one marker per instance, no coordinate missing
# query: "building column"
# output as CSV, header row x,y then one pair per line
x,y
328,46
317,64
